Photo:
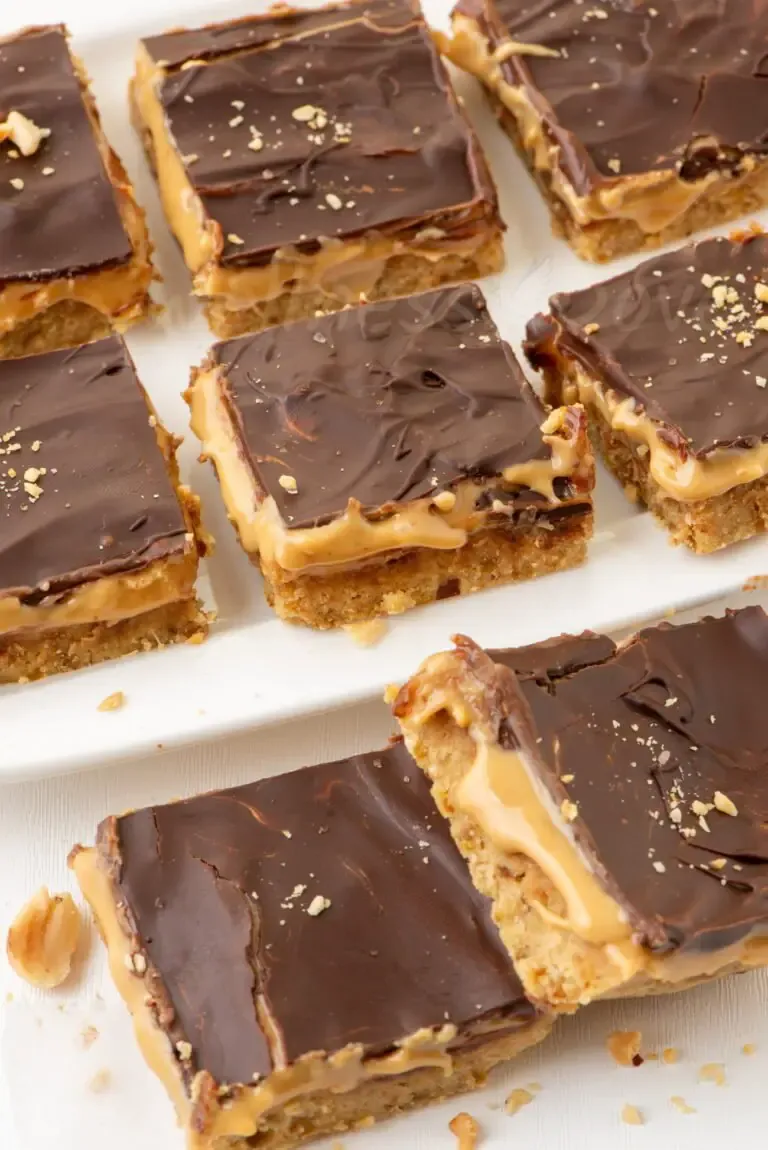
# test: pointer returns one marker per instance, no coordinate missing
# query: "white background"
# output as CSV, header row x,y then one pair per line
x,y
45,1098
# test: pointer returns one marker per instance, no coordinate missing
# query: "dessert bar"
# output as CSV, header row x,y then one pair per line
x,y
304,954
611,800
99,543
640,124
390,455
671,362
74,250
307,159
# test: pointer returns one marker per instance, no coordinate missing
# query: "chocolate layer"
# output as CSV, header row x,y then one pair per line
x,y
680,335
64,219
636,87
221,887
358,125
84,490
383,404
664,723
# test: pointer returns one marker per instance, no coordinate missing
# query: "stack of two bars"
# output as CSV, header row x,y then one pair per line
x,y
309,953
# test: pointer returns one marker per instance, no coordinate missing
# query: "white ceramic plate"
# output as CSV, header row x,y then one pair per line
x,y
255,669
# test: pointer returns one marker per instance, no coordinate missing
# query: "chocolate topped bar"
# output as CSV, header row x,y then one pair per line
x,y
663,746
627,88
339,885
303,125
58,212
685,336
84,489
347,407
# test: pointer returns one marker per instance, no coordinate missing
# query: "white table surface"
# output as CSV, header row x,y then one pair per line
x,y
46,1073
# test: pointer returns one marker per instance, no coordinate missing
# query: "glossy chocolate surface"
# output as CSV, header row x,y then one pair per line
x,y
639,87
64,216
382,404
679,334
648,734
220,889
358,125
84,490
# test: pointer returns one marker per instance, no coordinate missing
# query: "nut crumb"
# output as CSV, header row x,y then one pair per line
x,y
88,1036
624,1046
43,938
681,1105
516,1100
712,1072
725,805
318,905
466,1129
631,1115
368,633
112,702
101,1081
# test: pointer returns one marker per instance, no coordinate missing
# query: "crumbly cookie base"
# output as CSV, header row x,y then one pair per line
x,y
323,1113
611,239
401,275
557,968
66,324
37,655
392,585
704,525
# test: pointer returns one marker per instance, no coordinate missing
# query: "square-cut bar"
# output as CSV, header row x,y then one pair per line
x,y
304,954
99,542
610,800
74,250
671,362
641,123
390,455
308,158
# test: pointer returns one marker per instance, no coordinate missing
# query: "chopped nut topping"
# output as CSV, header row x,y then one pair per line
x,y
466,1129
624,1046
569,810
288,483
304,113
615,166
333,201
235,239
516,1100
17,184
256,143
136,963
112,702
725,805
444,501
659,866
631,1115
591,328
761,292
43,938
517,48
48,171
700,808
712,1072
23,132
681,1105
184,1050
318,905
236,121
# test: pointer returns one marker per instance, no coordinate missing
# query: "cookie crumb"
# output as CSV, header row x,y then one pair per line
x,y
624,1046
631,1116
712,1072
368,633
681,1105
670,1055
466,1130
112,702
749,1048
101,1081
88,1036
43,938
516,1100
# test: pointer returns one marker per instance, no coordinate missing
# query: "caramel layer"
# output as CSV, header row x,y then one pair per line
x,y
118,293
653,200
347,267
353,537
687,480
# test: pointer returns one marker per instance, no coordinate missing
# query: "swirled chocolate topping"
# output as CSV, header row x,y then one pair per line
x,y
84,490
58,213
685,335
305,125
635,87
383,404
663,749
330,903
